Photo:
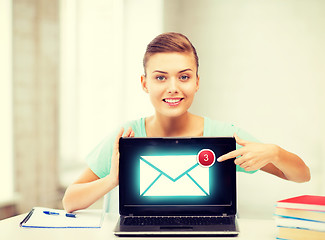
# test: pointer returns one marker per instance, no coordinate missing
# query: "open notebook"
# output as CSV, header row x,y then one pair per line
x,y
40,217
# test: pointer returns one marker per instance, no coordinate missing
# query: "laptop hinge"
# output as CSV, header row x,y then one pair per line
x,y
130,214
225,215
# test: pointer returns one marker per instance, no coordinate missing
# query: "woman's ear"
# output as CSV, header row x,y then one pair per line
x,y
144,83
197,83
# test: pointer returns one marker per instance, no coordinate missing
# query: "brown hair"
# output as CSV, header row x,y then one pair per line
x,y
170,42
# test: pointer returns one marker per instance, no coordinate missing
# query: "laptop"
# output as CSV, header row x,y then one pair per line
x,y
176,187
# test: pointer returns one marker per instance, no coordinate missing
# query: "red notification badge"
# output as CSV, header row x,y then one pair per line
x,y
206,158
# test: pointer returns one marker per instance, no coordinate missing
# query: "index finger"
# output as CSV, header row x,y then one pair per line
x,y
230,155
119,135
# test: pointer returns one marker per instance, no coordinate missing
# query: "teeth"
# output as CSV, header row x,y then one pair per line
x,y
172,100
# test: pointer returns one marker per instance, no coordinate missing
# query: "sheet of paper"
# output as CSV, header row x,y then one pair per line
x,y
83,219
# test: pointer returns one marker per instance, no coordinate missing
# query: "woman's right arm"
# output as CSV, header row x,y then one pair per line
x,y
87,190
89,187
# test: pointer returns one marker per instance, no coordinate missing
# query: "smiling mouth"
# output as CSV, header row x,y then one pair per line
x,y
172,101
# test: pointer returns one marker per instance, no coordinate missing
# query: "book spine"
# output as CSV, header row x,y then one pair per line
x,y
298,223
298,206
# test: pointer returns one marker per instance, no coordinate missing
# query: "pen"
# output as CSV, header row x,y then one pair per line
x,y
51,213
73,215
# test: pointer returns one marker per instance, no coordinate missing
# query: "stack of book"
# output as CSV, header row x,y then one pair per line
x,y
301,217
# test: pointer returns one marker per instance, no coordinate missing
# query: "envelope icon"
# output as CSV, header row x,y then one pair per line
x,y
178,175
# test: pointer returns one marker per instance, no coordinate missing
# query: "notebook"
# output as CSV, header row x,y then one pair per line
x,y
176,187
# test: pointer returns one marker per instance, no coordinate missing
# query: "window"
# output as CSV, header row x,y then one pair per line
x,y
102,44
6,170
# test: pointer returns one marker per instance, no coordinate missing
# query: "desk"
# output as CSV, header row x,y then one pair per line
x,y
250,229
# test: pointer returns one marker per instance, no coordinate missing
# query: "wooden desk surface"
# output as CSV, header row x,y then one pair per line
x,y
250,229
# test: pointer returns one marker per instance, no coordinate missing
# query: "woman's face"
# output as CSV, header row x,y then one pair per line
x,y
171,82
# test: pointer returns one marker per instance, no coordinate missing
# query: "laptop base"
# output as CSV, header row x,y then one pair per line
x,y
176,231
176,234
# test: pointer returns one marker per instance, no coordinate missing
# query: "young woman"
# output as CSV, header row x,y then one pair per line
x,y
171,80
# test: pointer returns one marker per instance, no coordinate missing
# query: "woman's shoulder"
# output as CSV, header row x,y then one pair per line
x,y
99,158
138,127
225,129
218,128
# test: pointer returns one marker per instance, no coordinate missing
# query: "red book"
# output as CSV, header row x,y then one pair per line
x,y
304,202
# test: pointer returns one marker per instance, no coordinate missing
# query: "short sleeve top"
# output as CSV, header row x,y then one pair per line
x,y
99,159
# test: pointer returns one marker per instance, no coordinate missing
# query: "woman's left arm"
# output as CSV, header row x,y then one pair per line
x,y
269,158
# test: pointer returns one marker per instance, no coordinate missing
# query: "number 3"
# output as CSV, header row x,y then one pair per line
x,y
206,157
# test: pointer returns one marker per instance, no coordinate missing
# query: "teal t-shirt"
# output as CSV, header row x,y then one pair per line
x,y
99,159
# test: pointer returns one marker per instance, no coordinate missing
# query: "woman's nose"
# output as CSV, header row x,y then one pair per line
x,y
173,86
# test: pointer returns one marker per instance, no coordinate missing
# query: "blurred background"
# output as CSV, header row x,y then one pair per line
x,y
70,74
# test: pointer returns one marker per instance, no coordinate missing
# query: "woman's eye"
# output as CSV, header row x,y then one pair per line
x,y
160,78
184,77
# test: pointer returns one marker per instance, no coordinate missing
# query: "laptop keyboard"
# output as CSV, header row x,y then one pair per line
x,y
177,220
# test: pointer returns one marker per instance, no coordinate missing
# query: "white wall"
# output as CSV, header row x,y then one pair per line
x,y
262,68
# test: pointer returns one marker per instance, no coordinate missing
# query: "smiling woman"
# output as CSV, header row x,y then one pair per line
x,y
171,80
